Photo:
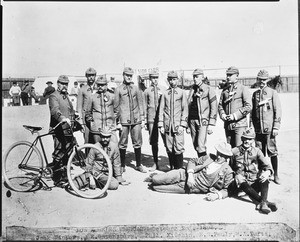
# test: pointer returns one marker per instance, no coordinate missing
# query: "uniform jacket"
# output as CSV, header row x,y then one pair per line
x,y
84,93
100,108
249,163
129,107
221,181
175,114
206,103
26,88
236,102
95,161
266,116
60,107
152,102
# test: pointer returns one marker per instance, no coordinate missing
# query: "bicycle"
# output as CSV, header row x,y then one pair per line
x,y
24,167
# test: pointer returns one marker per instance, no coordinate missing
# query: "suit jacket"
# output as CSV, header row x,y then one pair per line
x,y
175,114
237,102
266,113
206,103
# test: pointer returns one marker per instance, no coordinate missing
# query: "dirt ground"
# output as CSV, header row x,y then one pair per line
x,y
136,204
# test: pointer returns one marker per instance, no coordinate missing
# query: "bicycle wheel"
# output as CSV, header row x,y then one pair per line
x,y
80,180
21,166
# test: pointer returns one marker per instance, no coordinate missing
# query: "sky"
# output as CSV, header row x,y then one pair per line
x,y
54,38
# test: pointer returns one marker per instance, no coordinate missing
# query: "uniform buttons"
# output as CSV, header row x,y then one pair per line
x,y
266,129
128,121
233,125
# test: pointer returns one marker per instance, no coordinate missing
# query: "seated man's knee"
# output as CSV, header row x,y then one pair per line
x,y
114,184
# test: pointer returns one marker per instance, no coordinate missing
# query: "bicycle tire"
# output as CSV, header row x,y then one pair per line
x,y
22,179
75,169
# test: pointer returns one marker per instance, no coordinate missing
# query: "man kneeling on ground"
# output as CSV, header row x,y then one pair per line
x,y
210,174
95,163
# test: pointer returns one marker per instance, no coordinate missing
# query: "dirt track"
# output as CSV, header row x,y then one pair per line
x,y
135,204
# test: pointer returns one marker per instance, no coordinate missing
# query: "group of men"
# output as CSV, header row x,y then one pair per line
x,y
238,164
23,92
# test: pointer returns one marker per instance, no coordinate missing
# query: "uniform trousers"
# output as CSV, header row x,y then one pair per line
x,y
267,144
174,142
234,137
135,133
199,135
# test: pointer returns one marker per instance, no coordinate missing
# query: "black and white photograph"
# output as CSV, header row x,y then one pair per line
x,y
150,120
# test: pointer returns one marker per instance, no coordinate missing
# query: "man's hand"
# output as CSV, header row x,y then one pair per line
x,y
275,132
191,180
224,117
180,130
188,130
210,129
66,120
211,196
162,130
264,176
119,126
230,117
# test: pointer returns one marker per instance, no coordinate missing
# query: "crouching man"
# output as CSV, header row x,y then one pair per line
x,y
96,164
210,174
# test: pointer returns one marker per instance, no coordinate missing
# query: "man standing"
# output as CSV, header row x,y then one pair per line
x,y
203,110
266,119
173,117
15,92
252,172
25,93
130,114
48,90
61,110
234,105
100,110
152,97
84,93
209,174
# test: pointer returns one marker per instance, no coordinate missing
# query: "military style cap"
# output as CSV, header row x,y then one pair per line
x,y
263,74
224,148
128,71
232,70
49,82
75,83
14,82
249,133
26,81
90,71
153,74
172,74
198,72
101,80
106,132
63,79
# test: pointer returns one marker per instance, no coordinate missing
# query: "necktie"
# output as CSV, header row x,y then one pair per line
x,y
155,97
130,103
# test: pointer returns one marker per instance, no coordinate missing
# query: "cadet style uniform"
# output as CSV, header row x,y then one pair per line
x,y
129,111
266,117
173,113
203,110
212,174
248,165
236,101
100,110
152,97
84,93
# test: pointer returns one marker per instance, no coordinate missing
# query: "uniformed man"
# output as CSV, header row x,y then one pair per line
x,y
25,93
97,169
100,110
173,117
84,93
152,97
252,172
61,110
209,174
234,105
203,108
266,119
48,90
130,114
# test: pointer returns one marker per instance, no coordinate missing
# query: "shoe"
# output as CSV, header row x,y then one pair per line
x,y
141,169
154,167
272,206
276,180
264,208
148,179
62,183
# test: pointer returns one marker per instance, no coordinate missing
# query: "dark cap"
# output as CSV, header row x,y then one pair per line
x,y
14,82
49,82
75,83
198,72
232,70
128,71
249,133
263,74
101,80
172,74
90,71
63,79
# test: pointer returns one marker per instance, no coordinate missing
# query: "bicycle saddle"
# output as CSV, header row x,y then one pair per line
x,y
32,128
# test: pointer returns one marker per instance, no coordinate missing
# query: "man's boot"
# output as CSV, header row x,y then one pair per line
x,y
139,166
155,157
178,161
201,154
274,161
122,157
171,160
